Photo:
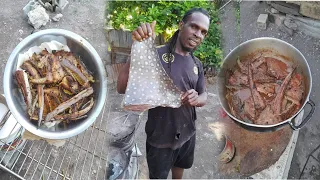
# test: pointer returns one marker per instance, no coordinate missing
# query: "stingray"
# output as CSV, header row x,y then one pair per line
x,y
149,85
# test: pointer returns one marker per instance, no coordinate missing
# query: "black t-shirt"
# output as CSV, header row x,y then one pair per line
x,y
172,127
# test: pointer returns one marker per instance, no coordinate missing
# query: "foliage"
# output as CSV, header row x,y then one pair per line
x,y
129,14
210,52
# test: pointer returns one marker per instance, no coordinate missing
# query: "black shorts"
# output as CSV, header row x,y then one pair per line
x,y
161,160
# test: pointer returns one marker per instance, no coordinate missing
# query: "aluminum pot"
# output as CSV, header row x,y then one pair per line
x,y
278,48
79,46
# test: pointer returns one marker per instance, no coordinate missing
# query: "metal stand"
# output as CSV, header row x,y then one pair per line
x,y
81,157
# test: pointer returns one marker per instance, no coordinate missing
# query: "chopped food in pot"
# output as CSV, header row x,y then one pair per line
x,y
264,90
56,87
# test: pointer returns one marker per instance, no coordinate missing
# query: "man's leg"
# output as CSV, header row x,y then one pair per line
x,y
184,159
177,172
159,161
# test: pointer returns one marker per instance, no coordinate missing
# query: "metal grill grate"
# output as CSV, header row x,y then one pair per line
x,y
81,157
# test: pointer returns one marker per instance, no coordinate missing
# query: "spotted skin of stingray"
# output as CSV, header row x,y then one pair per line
x,y
149,85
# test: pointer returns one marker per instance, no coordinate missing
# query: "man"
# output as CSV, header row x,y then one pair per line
x,y
171,131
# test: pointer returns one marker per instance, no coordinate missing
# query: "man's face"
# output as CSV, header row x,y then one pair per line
x,y
193,31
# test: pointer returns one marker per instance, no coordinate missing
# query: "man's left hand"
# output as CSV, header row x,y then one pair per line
x,y
190,98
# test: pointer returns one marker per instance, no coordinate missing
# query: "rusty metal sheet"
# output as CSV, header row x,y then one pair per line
x,y
255,151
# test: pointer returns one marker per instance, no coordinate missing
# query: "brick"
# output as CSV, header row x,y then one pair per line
x,y
310,9
262,21
286,8
286,30
274,11
290,24
277,19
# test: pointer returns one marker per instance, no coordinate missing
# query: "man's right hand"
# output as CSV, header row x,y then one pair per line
x,y
144,31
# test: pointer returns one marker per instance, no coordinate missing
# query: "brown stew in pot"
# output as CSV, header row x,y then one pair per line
x,y
264,90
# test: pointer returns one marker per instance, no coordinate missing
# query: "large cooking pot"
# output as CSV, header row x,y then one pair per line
x,y
79,46
274,47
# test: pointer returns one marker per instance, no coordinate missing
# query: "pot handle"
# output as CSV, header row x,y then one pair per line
x,y
306,119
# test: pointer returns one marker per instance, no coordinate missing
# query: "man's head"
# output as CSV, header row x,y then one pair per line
x,y
193,28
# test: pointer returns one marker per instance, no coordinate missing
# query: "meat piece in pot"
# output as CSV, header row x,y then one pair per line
x,y
267,116
257,99
258,62
243,94
57,70
236,105
249,109
276,68
295,90
30,69
238,78
266,88
296,81
243,66
286,114
262,69
295,95
234,87
277,102
284,104
260,75
23,83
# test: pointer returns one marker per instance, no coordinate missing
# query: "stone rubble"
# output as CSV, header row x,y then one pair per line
x,y
38,17
293,17
35,12
57,17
